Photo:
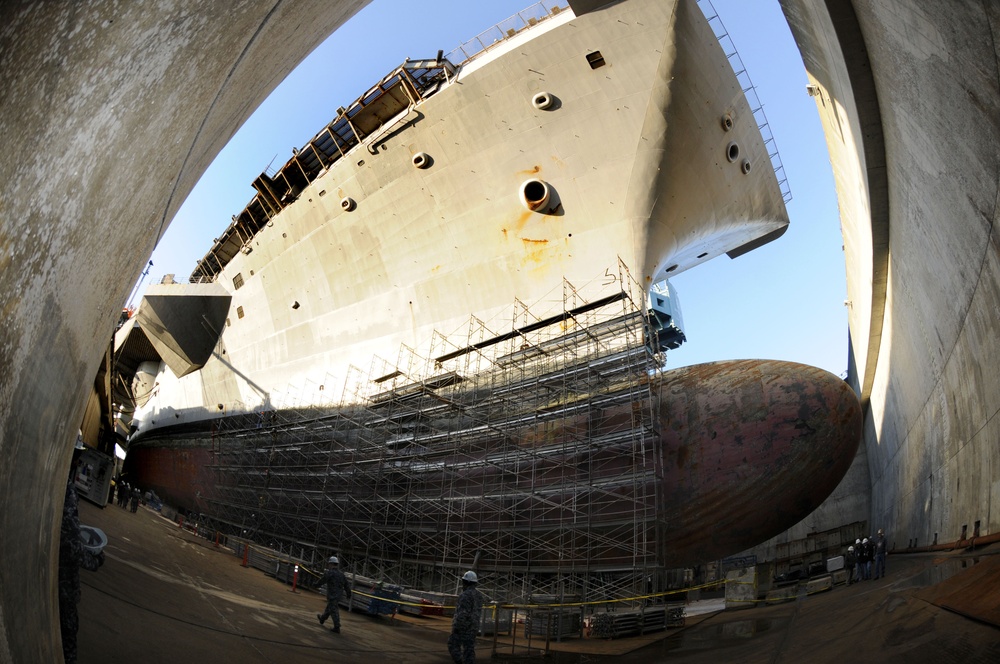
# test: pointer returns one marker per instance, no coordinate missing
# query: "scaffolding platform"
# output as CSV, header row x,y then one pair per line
x,y
528,454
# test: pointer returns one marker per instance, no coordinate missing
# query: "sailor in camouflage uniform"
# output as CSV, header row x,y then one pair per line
x,y
336,587
465,623
72,556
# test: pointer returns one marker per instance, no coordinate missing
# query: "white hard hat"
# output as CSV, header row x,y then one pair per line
x,y
470,576
850,548
857,541
865,541
332,560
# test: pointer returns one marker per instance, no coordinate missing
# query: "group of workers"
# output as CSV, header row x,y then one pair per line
x,y
862,555
125,496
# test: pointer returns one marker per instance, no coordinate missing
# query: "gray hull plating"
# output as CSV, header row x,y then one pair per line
x,y
653,161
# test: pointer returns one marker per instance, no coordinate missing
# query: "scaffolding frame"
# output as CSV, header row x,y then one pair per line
x,y
530,455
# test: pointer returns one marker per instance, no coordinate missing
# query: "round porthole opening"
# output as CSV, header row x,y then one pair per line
x,y
535,195
421,160
733,152
542,100
347,204
746,166
727,122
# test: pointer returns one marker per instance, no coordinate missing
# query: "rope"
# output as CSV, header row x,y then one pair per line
x,y
553,605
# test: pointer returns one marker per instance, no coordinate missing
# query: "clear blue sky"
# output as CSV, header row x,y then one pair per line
x,y
782,301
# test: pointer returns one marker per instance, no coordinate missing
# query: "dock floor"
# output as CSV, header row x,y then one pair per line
x,y
165,595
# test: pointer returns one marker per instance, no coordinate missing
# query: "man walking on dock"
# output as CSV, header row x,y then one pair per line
x,y
336,587
465,624
880,547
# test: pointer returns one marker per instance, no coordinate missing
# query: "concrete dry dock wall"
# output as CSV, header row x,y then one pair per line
x,y
111,111
109,114
909,98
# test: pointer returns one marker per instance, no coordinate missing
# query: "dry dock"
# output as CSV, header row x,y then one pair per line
x,y
165,595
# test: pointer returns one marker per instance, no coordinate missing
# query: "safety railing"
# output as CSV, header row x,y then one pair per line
x,y
504,30
750,91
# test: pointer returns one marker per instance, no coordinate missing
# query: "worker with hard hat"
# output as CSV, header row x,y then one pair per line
x,y
865,558
465,623
850,560
336,588
879,546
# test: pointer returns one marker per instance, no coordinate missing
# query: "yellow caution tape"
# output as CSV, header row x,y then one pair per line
x,y
555,605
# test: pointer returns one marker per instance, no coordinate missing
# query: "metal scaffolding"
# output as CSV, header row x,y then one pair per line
x,y
528,454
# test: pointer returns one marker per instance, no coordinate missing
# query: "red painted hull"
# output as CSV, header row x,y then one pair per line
x,y
730,454
181,477
749,449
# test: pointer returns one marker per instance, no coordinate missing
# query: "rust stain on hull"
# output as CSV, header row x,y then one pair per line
x,y
748,449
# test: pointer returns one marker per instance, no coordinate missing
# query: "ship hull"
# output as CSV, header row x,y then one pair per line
x,y
431,233
705,462
647,179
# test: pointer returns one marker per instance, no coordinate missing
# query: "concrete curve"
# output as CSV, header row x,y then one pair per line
x,y
915,145
110,113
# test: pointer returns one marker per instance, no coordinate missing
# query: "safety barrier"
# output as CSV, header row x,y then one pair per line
x,y
528,627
